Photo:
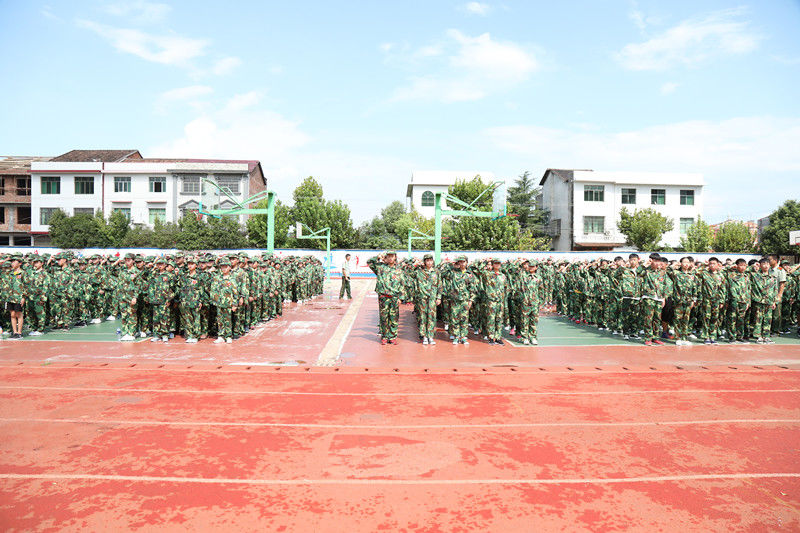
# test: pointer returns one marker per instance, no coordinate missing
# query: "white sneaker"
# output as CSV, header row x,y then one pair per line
x,y
142,334
526,341
155,339
191,341
693,337
165,338
678,342
446,326
455,341
626,337
111,317
452,336
507,328
95,321
127,338
534,341
615,332
219,340
431,341
35,333
228,340
465,342
485,338
424,340
171,335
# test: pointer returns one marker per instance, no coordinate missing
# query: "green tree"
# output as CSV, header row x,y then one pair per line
x,y
521,201
698,237
531,241
78,231
311,209
117,228
644,228
469,190
775,237
734,237
381,232
257,226
478,233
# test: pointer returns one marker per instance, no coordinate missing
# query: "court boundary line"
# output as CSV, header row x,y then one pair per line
x,y
393,394
520,425
380,481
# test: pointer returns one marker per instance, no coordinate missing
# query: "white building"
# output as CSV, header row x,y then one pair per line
x,y
584,205
421,190
143,189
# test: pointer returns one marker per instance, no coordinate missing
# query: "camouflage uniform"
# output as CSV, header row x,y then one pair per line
x,y
38,289
427,290
191,289
128,287
684,297
713,291
159,295
390,286
764,288
739,297
527,290
460,287
224,293
653,282
495,291
630,287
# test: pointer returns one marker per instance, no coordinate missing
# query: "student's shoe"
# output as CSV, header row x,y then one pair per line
x,y
166,338
446,326
500,342
127,338
95,321
509,327
142,334
534,341
191,341
707,341
452,336
392,341
491,341
658,342
769,341
714,341
526,341
155,339
626,337
35,333
424,340
464,341
693,336
111,317
219,340
455,341
648,343
171,335
384,342
615,332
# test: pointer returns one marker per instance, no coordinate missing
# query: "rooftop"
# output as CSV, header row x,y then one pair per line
x,y
13,165
626,177
99,156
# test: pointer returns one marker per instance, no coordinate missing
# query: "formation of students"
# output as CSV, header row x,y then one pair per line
x,y
196,295
653,300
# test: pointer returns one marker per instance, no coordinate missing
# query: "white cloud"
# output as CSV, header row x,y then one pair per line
x,y
737,156
669,87
226,65
165,49
476,8
691,43
191,95
139,10
467,68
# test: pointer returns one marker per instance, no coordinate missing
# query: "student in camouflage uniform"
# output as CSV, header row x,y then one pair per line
x,y
684,298
390,287
16,291
713,292
461,287
62,293
653,283
128,288
495,291
191,289
739,298
159,295
427,296
764,288
38,289
225,296
630,288
527,290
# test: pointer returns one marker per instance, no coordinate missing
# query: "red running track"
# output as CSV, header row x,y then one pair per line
x,y
92,448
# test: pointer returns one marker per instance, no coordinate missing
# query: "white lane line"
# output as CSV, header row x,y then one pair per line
x,y
381,481
784,421
400,394
329,355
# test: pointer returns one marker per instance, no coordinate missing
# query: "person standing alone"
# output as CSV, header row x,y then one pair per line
x,y
345,278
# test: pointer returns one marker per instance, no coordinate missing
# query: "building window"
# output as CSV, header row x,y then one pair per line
x,y
686,223
629,196
190,185
594,224
428,199
158,184
122,184
124,210
594,193
84,184
84,211
2,186
657,196
23,215
24,188
229,183
687,197
2,215
158,213
51,185
45,213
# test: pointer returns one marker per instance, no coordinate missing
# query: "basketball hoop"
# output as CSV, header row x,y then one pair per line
x,y
794,238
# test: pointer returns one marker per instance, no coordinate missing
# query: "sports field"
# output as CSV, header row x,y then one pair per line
x,y
309,424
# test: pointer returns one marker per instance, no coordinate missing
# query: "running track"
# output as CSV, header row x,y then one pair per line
x,y
95,448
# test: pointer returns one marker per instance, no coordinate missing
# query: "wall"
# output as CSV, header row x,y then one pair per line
x,y
556,200
67,200
416,198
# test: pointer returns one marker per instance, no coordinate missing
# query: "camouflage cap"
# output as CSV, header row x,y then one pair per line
x,y
224,261
138,257
427,256
191,259
179,254
35,257
461,258
159,261
496,260
785,262
129,256
81,260
150,259
389,252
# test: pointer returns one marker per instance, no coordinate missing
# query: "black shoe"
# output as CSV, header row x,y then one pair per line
x,y
491,341
500,342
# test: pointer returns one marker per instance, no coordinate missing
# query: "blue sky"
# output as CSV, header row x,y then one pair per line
x,y
361,93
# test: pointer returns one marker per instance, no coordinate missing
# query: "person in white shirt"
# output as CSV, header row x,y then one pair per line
x,y
345,278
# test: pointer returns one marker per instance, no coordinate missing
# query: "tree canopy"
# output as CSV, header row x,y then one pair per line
x,y
775,237
698,237
644,228
734,237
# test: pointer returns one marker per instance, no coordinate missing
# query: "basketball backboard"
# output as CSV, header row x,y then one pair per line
x,y
794,238
499,199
